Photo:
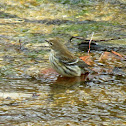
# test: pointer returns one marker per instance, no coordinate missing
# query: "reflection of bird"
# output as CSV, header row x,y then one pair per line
x,y
63,61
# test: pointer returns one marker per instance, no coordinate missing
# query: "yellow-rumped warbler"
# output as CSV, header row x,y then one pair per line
x,y
63,61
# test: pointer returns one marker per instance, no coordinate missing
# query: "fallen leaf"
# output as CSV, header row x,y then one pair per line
x,y
111,60
88,60
119,55
111,56
105,56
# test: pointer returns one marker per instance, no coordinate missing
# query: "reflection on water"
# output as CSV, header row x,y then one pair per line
x,y
99,100
93,102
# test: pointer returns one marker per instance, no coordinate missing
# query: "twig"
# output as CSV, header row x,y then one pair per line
x,y
77,37
20,45
87,40
90,42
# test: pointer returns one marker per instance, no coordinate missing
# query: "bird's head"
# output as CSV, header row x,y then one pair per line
x,y
55,43
57,46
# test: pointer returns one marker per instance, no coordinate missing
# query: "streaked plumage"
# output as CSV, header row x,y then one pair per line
x,y
63,61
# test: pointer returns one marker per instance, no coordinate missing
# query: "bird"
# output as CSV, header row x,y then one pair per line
x,y
63,61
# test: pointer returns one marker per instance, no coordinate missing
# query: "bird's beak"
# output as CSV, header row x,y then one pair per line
x,y
47,41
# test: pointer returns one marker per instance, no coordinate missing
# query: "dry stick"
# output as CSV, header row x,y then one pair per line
x,y
20,44
81,38
90,42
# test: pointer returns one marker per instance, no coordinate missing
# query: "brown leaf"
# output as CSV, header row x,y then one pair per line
x,y
48,72
88,60
119,55
111,56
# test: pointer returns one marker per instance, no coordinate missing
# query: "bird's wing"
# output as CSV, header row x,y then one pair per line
x,y
82,64
73,61
77,61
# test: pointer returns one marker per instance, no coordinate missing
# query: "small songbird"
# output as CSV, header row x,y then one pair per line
x,y
63,61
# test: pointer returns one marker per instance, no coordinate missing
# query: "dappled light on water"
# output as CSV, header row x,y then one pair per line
x,y
32,93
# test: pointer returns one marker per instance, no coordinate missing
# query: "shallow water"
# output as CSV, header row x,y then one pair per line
x,y
29,99
100,102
